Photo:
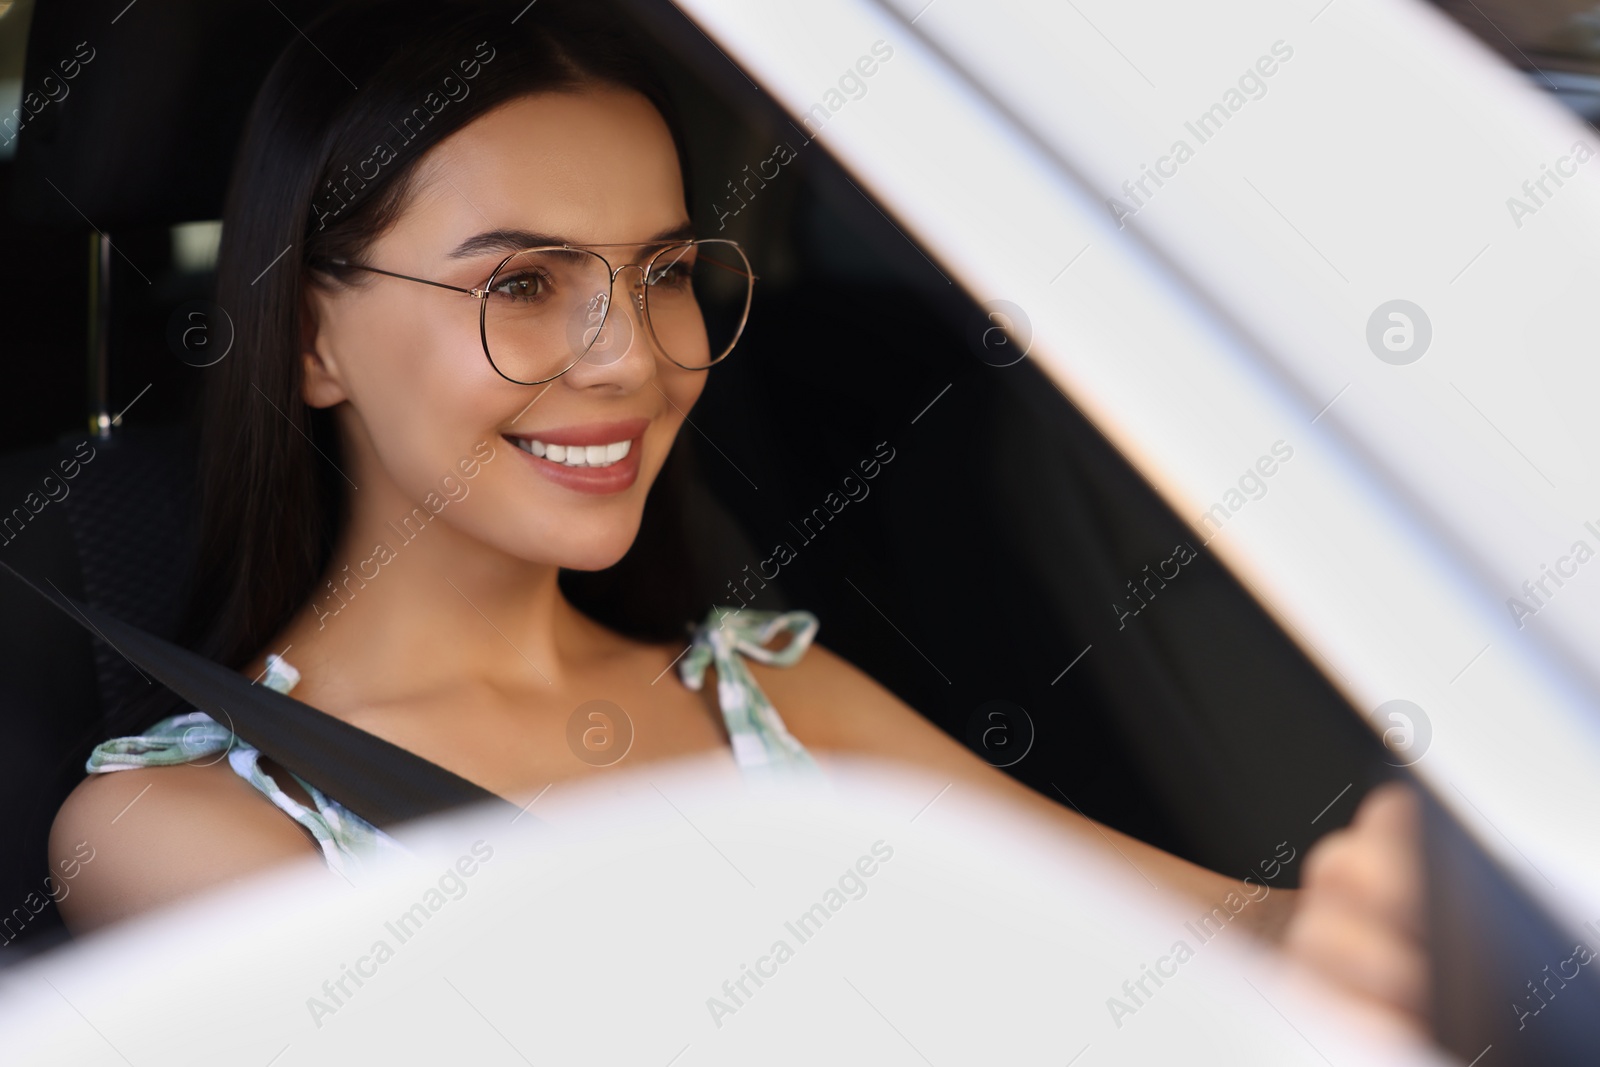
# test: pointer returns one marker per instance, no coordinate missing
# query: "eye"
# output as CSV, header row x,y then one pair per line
x,y
523,286
670,274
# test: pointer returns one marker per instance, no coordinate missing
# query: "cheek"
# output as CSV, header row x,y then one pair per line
x,y
418,381
418,340
683,388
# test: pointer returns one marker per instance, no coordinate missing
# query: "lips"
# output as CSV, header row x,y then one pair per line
x,y
596,457
585,434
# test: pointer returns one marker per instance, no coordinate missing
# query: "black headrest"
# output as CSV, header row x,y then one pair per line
x,y
132,110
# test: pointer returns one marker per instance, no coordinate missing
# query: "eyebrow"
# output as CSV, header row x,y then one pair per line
x,y
510,240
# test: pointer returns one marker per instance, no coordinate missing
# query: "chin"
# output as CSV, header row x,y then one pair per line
x,y
590,558
581,548
558,533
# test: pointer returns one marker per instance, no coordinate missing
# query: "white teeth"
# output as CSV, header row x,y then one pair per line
x,y
578,455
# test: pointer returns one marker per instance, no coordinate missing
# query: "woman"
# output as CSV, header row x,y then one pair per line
x,y
470,328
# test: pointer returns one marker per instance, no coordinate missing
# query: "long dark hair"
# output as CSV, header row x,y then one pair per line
x,y
403,74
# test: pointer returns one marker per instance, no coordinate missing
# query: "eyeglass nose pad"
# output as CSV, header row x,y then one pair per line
x,y
638,288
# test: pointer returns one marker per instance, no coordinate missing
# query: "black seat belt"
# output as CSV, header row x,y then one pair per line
x,y
379,781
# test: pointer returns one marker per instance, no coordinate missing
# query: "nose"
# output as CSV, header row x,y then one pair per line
x,y
621,355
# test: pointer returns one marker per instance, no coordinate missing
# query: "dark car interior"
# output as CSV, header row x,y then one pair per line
x,y
984,577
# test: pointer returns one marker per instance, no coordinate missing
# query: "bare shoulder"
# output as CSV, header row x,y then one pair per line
x,y
830,704
129,841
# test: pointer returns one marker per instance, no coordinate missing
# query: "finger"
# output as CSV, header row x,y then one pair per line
x,y
1364,956
1375,865
1391,810
1349,871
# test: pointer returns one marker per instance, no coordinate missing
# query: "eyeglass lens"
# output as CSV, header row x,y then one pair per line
x,y
546,309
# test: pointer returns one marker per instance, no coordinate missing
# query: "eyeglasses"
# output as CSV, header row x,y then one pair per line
x,y
544,309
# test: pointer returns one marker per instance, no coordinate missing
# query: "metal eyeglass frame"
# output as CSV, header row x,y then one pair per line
x,y
641,295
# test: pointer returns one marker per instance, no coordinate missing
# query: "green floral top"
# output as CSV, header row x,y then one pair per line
x,y
761,743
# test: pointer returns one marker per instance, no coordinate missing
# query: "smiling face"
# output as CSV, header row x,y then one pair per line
x,y
593,166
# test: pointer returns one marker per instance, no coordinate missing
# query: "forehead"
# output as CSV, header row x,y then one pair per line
x,y
595,165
